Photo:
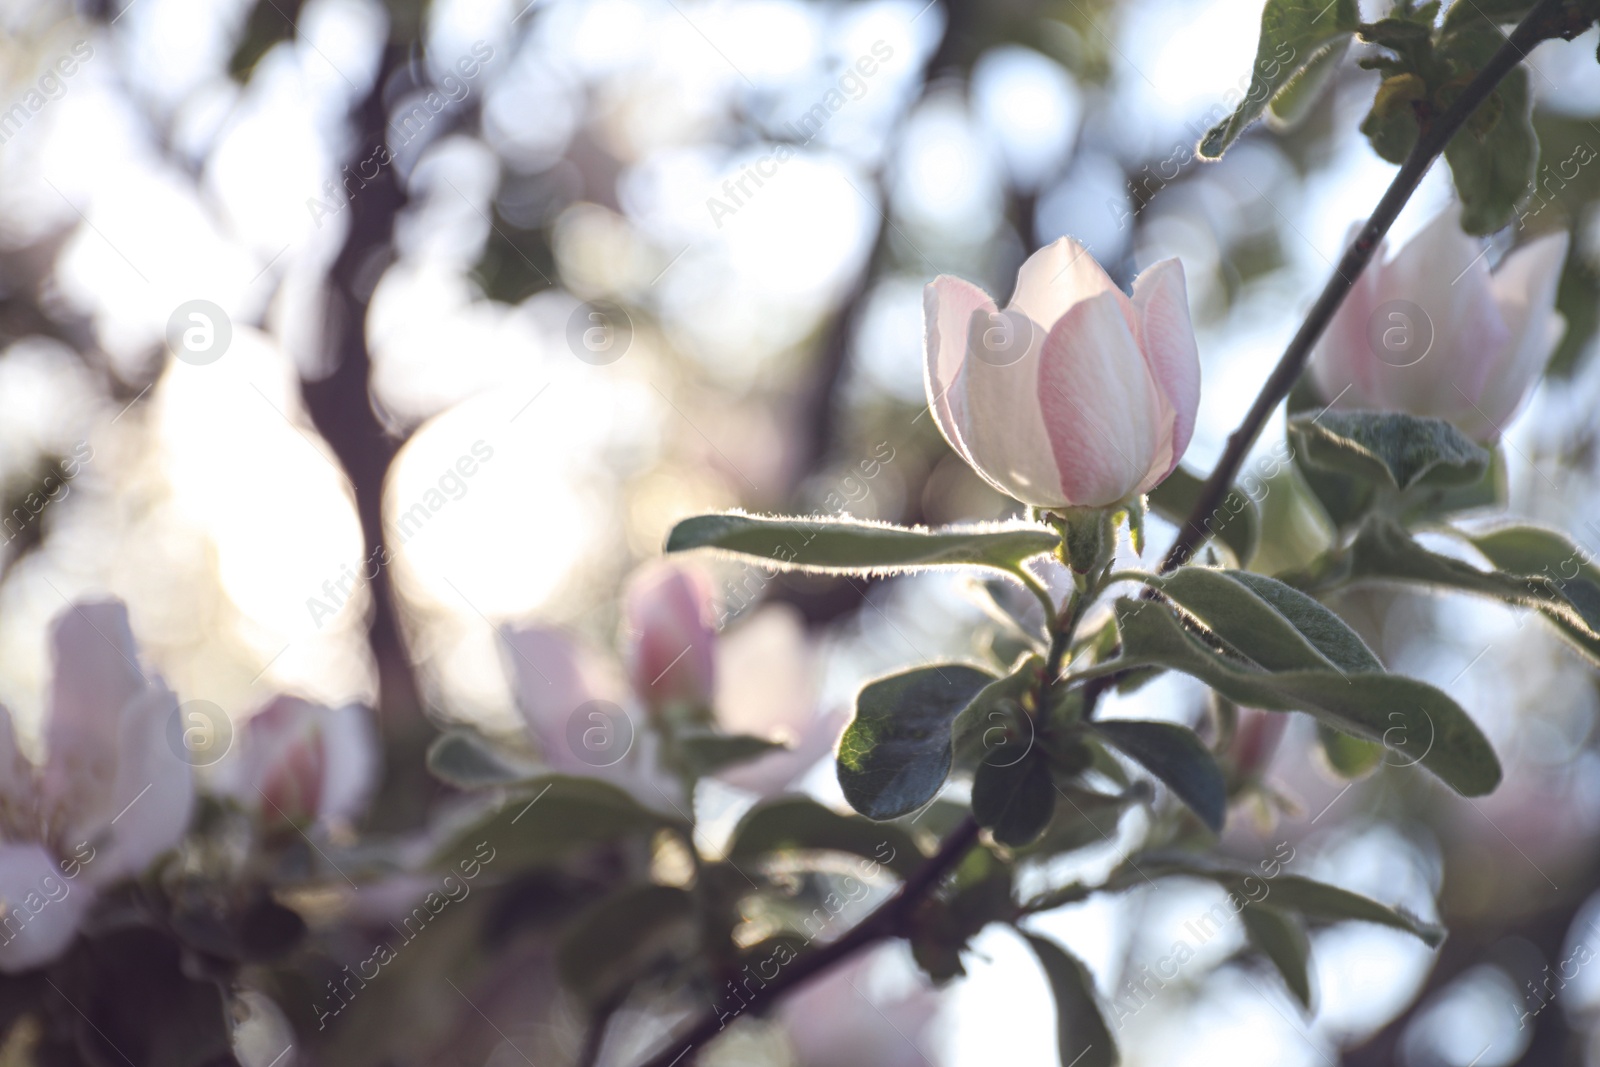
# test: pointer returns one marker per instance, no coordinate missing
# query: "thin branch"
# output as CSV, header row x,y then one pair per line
x,y
889,920
1548,19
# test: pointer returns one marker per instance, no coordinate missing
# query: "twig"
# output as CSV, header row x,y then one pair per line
x,y
1548,19
889,920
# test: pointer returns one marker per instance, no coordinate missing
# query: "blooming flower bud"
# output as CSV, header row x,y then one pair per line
x,y
1074,395
1434,332
671,640
304,763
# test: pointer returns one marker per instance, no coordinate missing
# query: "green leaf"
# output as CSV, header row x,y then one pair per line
x,y
544,821
466,760
896,753
608,946
997,725
839,546
1268,622
1347,756
1302,91
1280,937
1315,900
1417,722
800,824
705,752
1082,1039
1494,165
1382,550
1014,801
1083,817
1390,447
1293,33
1235,521
1176,756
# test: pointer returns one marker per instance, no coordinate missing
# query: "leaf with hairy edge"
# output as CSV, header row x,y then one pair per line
x,y
1383,550
1493,158
602,952
1293,34
1414,720
1280,937
1082,1039
1302,91
800,824
840,546
1391,447
896,753
1014,801
1175,755
1264,620
1317,901
1235,522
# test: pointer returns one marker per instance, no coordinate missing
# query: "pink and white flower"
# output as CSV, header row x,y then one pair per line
x,y
1075,395
303,764
110,797
1432,331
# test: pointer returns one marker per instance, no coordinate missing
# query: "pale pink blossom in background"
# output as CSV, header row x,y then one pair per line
x,y
1432,331
110,797
1074,395
671,637
302,763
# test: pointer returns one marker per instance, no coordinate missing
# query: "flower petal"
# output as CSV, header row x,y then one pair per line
x,y
351,762
1341,363
1100,404
152,793
672,639
1056,277
1525,292
1167,339
1444,272
948,304
1003,424
96,675
40,909
554,676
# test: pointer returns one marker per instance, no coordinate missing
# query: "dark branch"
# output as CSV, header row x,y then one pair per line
x,y
1548,19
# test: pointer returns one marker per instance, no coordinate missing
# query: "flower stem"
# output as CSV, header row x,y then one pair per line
x,y
1548,19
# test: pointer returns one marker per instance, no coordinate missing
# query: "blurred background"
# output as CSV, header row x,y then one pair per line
x,y
366,328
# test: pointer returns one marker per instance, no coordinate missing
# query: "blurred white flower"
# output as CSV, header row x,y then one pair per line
x,y
581,713
1075,395
111,796
302,763
1433,332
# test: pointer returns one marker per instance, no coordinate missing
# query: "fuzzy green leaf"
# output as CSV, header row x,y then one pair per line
x,y
1280,937
1176,756
1293,34
839,546
1082,1039
800,824
1390,447
1014,801
896,752
1417,722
